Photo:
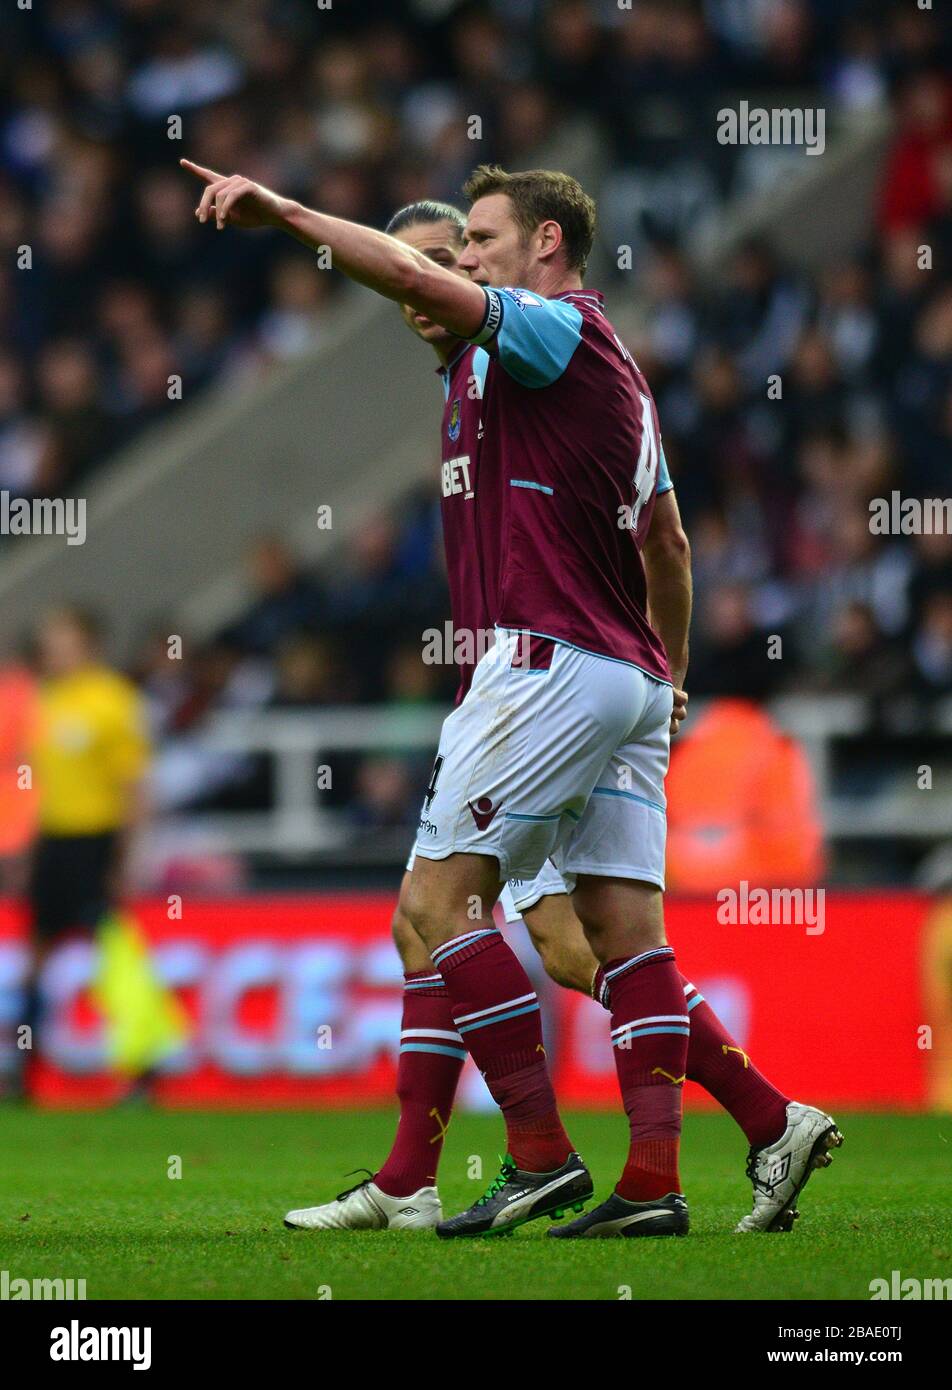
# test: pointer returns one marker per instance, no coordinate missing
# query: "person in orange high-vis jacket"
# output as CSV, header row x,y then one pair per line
x,y
18,809
937,997
741,804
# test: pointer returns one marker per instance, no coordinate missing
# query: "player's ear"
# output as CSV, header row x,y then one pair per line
x,y
550,238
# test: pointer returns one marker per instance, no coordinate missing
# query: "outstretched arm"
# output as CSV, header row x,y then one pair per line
x,y
667,560
372,258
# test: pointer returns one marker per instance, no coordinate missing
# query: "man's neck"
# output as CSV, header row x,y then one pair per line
x,y
554,280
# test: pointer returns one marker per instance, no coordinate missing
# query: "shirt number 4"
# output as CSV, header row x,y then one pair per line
x,y
646,473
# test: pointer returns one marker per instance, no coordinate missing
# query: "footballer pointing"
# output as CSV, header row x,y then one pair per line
x,y
576,691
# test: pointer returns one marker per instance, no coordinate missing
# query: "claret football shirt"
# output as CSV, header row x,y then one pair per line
x,y
551,464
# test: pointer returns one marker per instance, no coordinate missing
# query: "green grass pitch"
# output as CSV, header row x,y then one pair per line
x,y
87,1195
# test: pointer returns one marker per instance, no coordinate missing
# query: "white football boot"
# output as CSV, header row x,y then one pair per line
x,y
779,1171
366,1208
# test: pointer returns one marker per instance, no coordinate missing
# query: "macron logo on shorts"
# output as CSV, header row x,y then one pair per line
x,y
483,812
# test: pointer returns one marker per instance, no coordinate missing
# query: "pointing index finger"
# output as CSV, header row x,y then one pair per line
x,y
208,175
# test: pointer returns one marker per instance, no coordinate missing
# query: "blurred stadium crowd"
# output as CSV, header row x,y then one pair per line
x,y
371,112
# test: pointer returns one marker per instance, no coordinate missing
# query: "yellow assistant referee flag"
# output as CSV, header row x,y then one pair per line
x,y
144,1020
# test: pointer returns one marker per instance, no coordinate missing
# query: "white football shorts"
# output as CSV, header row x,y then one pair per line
x,y
563,762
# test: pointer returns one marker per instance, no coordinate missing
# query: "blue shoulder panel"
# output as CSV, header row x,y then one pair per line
x,y
533,339
480,367
664,477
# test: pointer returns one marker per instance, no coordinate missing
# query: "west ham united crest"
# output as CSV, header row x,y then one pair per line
x,y
452,429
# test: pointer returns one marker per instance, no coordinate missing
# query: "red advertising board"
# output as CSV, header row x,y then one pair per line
x,y
296,1001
